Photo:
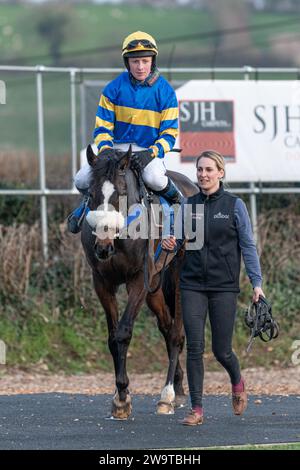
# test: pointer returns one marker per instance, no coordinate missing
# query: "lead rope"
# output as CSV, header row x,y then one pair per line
x,y
259,319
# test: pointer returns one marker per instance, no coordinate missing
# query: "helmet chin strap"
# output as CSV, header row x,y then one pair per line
x,y
126,62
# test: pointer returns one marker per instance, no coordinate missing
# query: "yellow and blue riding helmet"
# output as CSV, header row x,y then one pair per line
x,y
139,44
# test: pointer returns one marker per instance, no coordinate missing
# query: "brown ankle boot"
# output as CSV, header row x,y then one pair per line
x,y
239,402
192,419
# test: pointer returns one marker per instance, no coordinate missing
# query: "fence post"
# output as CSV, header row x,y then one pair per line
x,y
2,352
73,123
253,207
247,70
42,169
83,115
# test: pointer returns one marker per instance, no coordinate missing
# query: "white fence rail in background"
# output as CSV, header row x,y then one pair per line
x,y
247,72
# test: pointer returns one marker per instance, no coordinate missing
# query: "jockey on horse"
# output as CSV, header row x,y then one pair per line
x,y
138,107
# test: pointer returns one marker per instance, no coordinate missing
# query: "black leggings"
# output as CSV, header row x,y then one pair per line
x,y
221,307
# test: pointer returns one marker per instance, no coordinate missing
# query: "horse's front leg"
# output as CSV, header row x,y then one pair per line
x,y
107,297
121,406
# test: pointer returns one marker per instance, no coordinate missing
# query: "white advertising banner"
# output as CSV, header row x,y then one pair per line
x,y
254,124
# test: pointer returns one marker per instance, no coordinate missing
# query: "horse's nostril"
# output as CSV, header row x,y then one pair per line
x,y
110,250
98,251
103,253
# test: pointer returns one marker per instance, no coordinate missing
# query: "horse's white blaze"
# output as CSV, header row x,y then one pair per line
x,y
105,222
107,190
168,394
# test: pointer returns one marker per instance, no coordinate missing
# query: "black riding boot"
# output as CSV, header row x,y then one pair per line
x,y
75,219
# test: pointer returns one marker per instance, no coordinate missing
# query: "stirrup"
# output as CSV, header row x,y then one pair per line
x,y
72,223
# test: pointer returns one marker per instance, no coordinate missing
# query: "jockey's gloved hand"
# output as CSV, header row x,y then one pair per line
x,y
107,153
139,160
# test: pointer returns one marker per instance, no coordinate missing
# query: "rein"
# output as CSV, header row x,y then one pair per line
x,y
147,199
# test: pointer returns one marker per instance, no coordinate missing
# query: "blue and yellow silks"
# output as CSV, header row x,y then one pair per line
x,y
137,113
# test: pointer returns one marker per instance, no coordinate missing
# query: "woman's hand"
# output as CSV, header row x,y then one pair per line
x,y
257,291
169,243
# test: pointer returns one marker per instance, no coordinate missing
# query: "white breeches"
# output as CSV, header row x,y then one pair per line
x,y
154,175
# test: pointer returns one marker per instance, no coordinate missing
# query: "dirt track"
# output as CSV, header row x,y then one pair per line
x,y
258,380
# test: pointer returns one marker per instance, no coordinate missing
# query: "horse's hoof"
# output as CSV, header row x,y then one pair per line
x,y
180,401
121,409
121,413
164,408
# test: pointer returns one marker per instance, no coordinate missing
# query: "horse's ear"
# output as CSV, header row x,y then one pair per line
x,y
125,160
91,157
129,153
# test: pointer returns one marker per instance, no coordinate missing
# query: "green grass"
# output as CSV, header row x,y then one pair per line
x,y
283,446
262,37
76,342
91,26
41,339
19,115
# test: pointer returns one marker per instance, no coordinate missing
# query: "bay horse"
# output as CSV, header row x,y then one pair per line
x,y
115,261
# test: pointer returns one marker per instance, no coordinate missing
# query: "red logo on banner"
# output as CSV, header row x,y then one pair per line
x,y
206,125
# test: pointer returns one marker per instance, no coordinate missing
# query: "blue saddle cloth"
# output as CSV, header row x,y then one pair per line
x,y
168,221
168,224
